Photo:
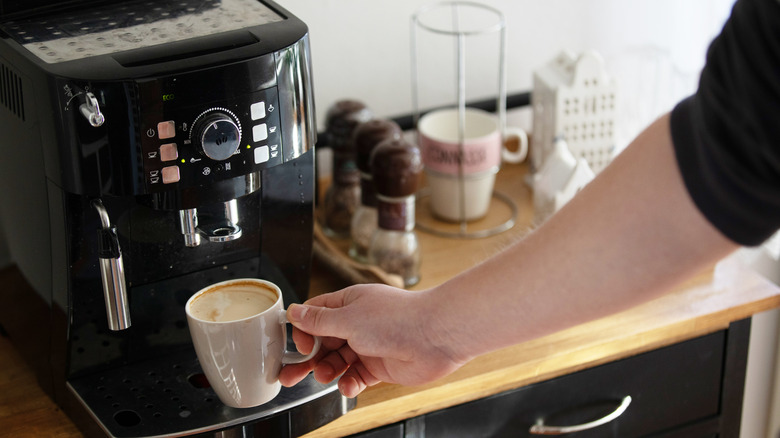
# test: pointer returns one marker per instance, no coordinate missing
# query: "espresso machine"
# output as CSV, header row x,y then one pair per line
x,y
150,149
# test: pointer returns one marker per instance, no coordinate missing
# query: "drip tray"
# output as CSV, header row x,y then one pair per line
x,y
170,396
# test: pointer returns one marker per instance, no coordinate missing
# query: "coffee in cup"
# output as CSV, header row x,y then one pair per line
x,y
239,301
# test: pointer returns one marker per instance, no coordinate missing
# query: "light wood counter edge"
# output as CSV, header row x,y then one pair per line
x,y
705,304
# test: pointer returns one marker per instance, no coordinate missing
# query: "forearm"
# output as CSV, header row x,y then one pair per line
x,y
629,236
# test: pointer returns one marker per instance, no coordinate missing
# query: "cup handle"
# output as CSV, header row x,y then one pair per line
x,y
522,151
291,357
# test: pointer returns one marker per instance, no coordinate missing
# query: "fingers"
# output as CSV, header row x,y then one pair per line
x,y
304,342
331,300
292,374
337,359
327,316
327,365
352,382
334,364
316,320
355,380
355,377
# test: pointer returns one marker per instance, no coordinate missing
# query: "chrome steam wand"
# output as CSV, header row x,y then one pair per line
x,y
112,272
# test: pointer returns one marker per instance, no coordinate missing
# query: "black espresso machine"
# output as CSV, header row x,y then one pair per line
x,y
149,149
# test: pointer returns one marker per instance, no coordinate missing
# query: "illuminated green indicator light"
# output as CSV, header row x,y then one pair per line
x,y
183,160
249,146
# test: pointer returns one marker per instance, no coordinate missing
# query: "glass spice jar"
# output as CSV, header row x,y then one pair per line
x,y
396,166
364,222
343,195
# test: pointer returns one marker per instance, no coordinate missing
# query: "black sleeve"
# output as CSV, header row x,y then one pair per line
x,y
727,135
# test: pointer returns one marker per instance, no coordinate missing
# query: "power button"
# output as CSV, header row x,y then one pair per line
x,y
166,130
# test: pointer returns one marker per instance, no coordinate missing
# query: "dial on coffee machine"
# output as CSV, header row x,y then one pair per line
x,y
151,149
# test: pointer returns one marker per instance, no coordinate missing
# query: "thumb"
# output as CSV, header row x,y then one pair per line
x,y
315,320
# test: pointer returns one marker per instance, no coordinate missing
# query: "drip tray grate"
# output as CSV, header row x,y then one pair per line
x,y
171,396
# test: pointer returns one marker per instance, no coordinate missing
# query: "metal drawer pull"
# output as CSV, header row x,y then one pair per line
x,y
541,429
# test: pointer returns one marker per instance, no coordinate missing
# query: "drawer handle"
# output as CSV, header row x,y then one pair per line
x,y
541,429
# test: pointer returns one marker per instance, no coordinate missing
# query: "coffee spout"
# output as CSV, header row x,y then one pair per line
x,y
215,229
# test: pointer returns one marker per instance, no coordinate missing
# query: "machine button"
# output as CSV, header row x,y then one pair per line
x,y
166,130
170,174
261,154
257,110
169,152
259,132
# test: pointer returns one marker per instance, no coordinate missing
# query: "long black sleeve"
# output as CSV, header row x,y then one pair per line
x,y
727,135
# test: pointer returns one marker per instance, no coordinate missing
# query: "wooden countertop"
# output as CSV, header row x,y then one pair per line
x,y
704,304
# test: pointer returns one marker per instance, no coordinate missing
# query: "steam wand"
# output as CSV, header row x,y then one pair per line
x,y
112,272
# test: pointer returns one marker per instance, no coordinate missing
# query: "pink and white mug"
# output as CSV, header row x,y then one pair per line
x,y
482,153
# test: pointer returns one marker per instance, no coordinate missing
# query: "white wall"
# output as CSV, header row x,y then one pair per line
x,y
361,48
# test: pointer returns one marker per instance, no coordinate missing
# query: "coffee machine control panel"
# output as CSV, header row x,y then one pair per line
x,y
195,145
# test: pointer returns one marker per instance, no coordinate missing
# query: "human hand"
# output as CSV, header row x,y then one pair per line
x,y
370,333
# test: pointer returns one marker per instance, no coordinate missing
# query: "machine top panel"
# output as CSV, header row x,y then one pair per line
x,y
117,28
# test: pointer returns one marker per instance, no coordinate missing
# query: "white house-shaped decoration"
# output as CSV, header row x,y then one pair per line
x,y
574,98
562,175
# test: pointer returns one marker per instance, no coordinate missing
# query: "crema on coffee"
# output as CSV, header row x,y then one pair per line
x,y
232,303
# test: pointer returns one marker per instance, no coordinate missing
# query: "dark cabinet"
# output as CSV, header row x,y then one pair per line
x,y
690,389
392,431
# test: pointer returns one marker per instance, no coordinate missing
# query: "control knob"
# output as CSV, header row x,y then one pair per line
x,y
216,134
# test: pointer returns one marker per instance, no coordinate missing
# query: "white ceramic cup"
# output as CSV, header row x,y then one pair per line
x,y
242,352
483,151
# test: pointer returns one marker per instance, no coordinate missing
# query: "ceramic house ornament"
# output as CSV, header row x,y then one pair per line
x,y
562,175
574,97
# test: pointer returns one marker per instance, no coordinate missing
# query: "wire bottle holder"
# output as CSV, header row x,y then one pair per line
x,y
497,24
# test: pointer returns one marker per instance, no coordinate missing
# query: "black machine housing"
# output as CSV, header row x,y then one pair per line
x,y
90,130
